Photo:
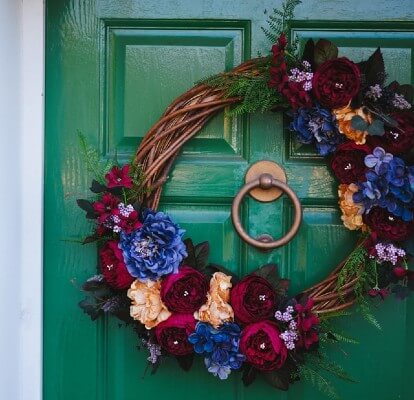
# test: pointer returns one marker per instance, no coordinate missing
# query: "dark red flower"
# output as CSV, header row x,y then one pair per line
x,y
106,207
399,140
374,292
119,177
113,266
388,226
261,344
279,79
253,299
186,291
336,82
129,223
348,162
400,272
172,334
306,322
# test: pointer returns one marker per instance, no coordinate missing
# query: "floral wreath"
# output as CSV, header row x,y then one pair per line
x,y
179,304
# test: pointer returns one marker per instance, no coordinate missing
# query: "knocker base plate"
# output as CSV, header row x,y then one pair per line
x,y
265,167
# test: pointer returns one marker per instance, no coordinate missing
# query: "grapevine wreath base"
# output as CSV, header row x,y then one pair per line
x,y
179,304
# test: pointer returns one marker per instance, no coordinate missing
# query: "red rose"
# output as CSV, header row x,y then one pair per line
x,y
253,299
348,162
113,266
172,334
388,226
186,291
306,322
336,82
262,346
119,177
399,140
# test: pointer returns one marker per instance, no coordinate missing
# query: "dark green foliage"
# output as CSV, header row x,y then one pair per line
x,y
324,50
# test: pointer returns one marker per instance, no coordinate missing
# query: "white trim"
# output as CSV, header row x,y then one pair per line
x,y
21,163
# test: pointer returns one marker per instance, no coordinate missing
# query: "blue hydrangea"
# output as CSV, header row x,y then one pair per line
x,y
389,185
317,125
220,346
154,250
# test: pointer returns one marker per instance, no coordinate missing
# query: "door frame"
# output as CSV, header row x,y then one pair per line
x,y
22,111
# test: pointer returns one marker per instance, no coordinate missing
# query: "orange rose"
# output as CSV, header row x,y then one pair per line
x,y
344,117
217,310
147,306
351,212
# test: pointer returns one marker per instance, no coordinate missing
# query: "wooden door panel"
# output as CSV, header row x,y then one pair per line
x,y
112,68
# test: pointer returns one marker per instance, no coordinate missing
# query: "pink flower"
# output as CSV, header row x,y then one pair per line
x,y
306,322
119,177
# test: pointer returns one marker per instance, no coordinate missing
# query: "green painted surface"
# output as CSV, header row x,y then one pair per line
x,y
112,68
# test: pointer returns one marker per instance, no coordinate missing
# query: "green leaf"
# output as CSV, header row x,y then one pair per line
x,y
374,69
270,273
407,91
376,128
97,187
201,253
358,123
278,379
185,362
249,375
90,306
325,50
318,381
190,259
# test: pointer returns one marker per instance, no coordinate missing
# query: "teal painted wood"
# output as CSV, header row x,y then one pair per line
x,y
112,68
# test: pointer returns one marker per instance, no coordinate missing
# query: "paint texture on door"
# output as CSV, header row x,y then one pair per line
x,y
112,68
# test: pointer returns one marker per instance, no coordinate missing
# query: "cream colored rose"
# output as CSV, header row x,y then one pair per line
x,y
217,310
147,306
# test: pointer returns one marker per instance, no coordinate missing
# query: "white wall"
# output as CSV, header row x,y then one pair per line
x,y
21,166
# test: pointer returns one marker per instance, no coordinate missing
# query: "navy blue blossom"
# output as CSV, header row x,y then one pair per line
x,y
389,185
220,346
154,250
317,125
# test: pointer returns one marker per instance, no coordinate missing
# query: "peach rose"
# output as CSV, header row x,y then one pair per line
x,y
344,117
351,212
147,306
217,310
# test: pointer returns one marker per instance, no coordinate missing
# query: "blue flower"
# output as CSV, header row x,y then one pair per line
x,y
317,125
154,250
221,347
377,159
389,185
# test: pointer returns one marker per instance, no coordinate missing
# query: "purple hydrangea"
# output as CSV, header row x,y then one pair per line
x,y
154,250
317,125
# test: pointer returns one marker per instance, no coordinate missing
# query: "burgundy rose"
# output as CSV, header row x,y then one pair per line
x,y
186,291
261,344
336,82
253,299
388,226
172,334
399,140
348,162
119,177
113,266
306,322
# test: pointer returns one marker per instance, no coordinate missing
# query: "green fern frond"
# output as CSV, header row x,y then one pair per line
x,y
94,165
365,310
317,380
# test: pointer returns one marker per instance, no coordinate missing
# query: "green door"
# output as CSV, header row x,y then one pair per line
x,y
112,68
